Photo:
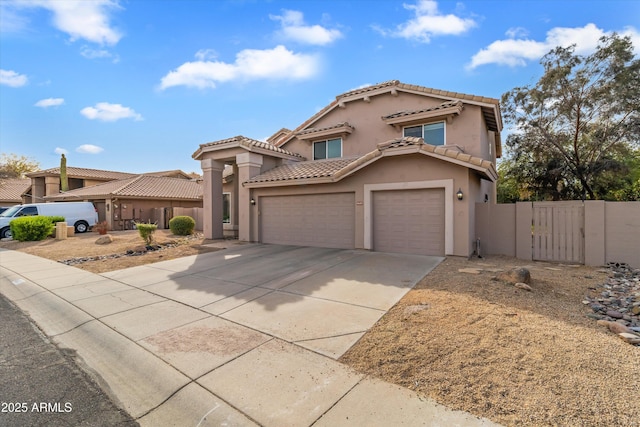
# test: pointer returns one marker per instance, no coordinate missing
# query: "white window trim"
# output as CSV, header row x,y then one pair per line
x,y
446,184
313,148
422,125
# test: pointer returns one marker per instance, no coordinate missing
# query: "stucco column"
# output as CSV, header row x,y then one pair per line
x,y
248,166
234,199
212,199
52,186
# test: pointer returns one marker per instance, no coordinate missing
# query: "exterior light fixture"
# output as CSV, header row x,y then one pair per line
x,y
253,201
459,194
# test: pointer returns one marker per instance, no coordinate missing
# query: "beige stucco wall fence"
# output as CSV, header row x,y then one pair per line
x,y
591,232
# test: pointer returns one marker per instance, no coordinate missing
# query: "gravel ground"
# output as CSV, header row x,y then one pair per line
x,y
519,358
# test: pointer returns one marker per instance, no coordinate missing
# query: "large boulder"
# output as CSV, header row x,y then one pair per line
x,y
516,275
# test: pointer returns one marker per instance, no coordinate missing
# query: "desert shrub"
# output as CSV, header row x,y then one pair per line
x,y
57,218
31,228
182,225
146,231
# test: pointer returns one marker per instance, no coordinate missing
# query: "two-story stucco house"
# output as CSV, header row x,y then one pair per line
x,y
391,167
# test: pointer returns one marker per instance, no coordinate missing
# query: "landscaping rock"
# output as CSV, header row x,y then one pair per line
x,y
516,275
630,338
617,301
469,270
523,286
104,240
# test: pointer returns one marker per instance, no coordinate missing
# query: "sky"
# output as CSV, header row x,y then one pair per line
x,y
136,86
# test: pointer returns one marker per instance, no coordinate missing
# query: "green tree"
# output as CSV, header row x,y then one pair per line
x,y
14,166
575,126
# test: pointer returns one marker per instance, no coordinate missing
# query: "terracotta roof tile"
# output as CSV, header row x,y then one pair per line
x,y
74,172
304,170
336,126
334,169
248,143
11,189
140,186
442,106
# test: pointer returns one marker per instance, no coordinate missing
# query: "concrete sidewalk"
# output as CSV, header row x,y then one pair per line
x,y
243,336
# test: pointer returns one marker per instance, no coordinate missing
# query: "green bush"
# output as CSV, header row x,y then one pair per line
x,y
55,219
182,225
146,232
31,228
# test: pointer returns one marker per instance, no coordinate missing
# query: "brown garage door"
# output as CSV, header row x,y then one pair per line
x,y
409,221
324,220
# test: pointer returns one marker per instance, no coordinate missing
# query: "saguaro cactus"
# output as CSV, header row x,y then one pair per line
x,y
64,181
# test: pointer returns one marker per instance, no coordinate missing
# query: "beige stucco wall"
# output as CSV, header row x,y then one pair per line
x,y
466,130
395,169
611,231
622,231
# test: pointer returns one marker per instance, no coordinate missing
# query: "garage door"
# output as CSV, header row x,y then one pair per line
x,y
409,221
324,220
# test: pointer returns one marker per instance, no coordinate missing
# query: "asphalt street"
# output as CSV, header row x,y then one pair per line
x,y
42,385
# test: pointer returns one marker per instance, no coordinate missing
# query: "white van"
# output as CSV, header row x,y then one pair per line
x,y
82,215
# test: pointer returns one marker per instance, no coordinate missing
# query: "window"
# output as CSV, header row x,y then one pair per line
x,y
226,208
28,211
328,149
432,133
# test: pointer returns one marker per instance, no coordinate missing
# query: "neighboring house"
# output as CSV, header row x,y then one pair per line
x,y
390,167
12,189
140,198
47,182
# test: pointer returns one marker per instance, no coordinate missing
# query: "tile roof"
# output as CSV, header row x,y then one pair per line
x,y
242,141
11,189
74,172
444,105
416,88
304,170
344,125
140,186
332,170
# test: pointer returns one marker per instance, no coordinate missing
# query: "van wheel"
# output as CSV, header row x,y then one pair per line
x,y
5,233
81,227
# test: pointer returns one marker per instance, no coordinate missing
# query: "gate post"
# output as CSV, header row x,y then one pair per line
x,y
524,219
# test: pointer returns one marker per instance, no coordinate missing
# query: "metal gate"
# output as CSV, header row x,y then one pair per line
x,y
558,231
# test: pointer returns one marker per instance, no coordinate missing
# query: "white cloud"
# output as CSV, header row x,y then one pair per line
x,y
49,102
428,22
514,32
59,150
89,53
107,112
518,51
206,54
250,64
88,20
89,149
294,28
13,79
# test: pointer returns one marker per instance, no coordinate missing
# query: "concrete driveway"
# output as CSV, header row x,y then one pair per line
x,y
243,336
321,299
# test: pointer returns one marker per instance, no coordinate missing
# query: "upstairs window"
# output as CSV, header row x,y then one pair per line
x,y
329,149
432,133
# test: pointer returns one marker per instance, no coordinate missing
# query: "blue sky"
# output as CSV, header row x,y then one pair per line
x,y
136,86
